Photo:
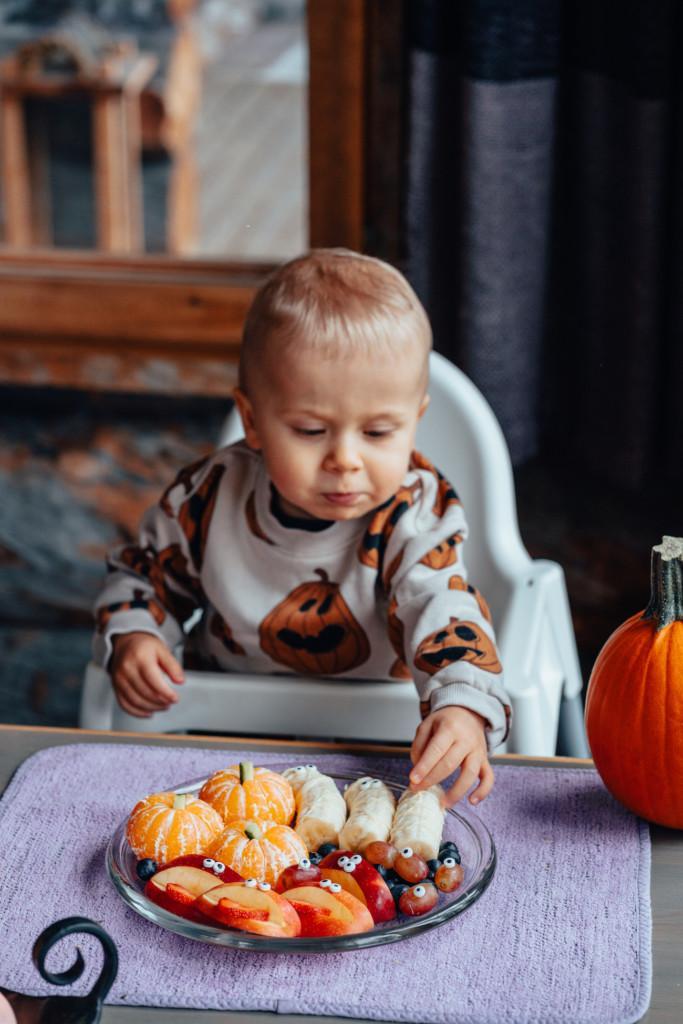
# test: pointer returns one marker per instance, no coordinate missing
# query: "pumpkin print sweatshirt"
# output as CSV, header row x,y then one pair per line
x,y
384,596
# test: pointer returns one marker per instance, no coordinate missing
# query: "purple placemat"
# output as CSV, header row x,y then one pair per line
x,y
561,936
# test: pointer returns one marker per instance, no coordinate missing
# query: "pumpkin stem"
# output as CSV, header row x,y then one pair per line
x,y
246,771
180,801
252,831
666,577
322,574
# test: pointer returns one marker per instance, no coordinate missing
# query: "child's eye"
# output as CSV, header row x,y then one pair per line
x,y
309,431
378,434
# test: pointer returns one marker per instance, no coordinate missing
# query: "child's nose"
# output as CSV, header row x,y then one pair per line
x,y
342,457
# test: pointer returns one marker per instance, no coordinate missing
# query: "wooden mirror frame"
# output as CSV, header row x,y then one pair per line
x,y
149,323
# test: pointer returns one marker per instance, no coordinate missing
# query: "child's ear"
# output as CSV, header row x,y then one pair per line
x,y
423,407
246,411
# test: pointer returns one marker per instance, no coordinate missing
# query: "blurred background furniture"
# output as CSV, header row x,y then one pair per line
x,y
527,597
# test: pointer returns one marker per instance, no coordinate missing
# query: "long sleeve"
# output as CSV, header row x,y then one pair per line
x,y
440,625
153,586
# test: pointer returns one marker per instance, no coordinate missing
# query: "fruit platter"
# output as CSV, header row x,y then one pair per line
x,y
296,860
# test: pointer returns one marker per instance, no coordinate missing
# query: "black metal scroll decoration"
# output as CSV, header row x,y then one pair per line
x,y
85,1009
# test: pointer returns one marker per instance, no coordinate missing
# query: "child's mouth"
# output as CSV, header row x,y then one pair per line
x,y
342,497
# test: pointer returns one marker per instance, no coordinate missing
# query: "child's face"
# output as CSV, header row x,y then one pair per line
x,y
336,434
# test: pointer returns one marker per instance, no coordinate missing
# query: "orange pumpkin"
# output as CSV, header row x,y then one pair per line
x,y
634,704
164,826
399,669
245,791
445,494
383,523
458,583
313,630
258,849
444,554
458,641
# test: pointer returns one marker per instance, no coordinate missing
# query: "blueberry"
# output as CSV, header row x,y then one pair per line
x,y
315,858
146,868
433,866
449,849
393,878
398,890
382,870
326,848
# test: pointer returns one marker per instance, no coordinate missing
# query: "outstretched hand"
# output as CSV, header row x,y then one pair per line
x,y
140,668
449,738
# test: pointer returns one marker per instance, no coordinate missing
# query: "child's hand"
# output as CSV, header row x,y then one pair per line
x,y
446,739
137,666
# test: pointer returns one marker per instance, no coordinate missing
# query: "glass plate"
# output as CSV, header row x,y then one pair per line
x,y
473,839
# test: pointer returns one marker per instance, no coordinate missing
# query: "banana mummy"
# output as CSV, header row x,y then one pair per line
x,y
418,822
320,807
371,810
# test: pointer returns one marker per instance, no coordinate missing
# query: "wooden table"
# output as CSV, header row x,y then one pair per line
x,y
17,743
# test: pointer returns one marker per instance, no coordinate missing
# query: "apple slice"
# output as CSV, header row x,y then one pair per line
x,y
250,907
323,912
361,879
177,888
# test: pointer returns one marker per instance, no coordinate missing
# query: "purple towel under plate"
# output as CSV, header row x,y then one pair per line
x,y
561,936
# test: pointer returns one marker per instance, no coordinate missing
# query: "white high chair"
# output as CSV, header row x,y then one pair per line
x,y
528,600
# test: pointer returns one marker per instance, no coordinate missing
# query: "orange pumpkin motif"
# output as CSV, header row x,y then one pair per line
x,y
247,791
195,514
147,604
185,479
459,641
258,849
161,568
375,539
164,826
252,521
313,630
444,554
458,583
220,629
446,494
399,669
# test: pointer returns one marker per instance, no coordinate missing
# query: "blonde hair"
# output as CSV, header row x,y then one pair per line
x,y
333,301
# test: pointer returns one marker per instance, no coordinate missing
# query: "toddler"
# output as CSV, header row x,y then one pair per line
x,y
323,543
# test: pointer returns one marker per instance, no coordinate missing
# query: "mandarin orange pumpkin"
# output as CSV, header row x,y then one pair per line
x,y
634,704
164,826
258,849
245,791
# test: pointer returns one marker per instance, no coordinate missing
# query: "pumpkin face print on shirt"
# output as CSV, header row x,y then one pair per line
x,y
458,583
194,515
459,641
313,631
382,525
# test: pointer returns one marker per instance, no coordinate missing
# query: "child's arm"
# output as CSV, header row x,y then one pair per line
x,y
441,627
153,587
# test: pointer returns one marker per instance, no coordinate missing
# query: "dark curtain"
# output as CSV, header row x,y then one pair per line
x,y
543,220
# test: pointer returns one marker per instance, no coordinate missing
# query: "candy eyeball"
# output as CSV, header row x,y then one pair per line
x,y
343,861
208,863
218,867
299,768
365,783
264,886
419,891
325,883
310,766
251,883
335,887
407,851
448,862
376,782
356,859
304,862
